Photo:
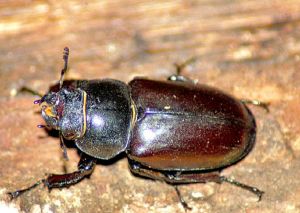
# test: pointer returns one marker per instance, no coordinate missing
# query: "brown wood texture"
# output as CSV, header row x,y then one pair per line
x,y
250,49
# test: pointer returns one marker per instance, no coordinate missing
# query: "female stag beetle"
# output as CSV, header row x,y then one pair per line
x,y
176,131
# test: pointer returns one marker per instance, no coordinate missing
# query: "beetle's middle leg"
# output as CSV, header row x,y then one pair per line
x,y
137,169
174,178
179,68
85,168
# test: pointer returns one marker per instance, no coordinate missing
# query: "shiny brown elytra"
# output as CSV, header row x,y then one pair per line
x,y
202,127
175,131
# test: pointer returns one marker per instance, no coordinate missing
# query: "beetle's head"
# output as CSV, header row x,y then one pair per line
x,y
64,110
52,108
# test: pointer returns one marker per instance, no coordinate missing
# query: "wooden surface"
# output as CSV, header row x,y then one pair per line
x,y
250,49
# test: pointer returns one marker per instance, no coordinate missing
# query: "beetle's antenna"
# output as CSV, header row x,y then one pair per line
x,y
63,71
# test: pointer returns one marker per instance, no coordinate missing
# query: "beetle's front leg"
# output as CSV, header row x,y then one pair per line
x,y
85,168
30,91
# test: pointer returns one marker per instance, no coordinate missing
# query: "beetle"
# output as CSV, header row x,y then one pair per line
x,y
176,131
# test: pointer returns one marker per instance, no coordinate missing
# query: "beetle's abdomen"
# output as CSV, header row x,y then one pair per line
x,y
183,126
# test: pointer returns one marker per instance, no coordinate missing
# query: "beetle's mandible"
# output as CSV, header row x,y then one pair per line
x,y
176,131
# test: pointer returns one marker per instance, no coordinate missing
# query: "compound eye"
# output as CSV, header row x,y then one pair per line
x,y
48,110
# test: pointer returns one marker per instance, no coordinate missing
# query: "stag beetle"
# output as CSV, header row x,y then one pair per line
x,y
176,131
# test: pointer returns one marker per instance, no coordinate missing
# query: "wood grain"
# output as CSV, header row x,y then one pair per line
x,y
250,49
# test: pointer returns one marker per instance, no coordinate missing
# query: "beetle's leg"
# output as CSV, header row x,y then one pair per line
x,y
182,178
264,105
143,171
63,147
252,189
211,177
137,169
179,177
30,91
85,168
182,201
17,193
179,69
180,78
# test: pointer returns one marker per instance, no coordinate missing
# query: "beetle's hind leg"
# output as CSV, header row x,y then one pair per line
x,y
264,105
177,177
211,177
85,168
252,189
179,68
